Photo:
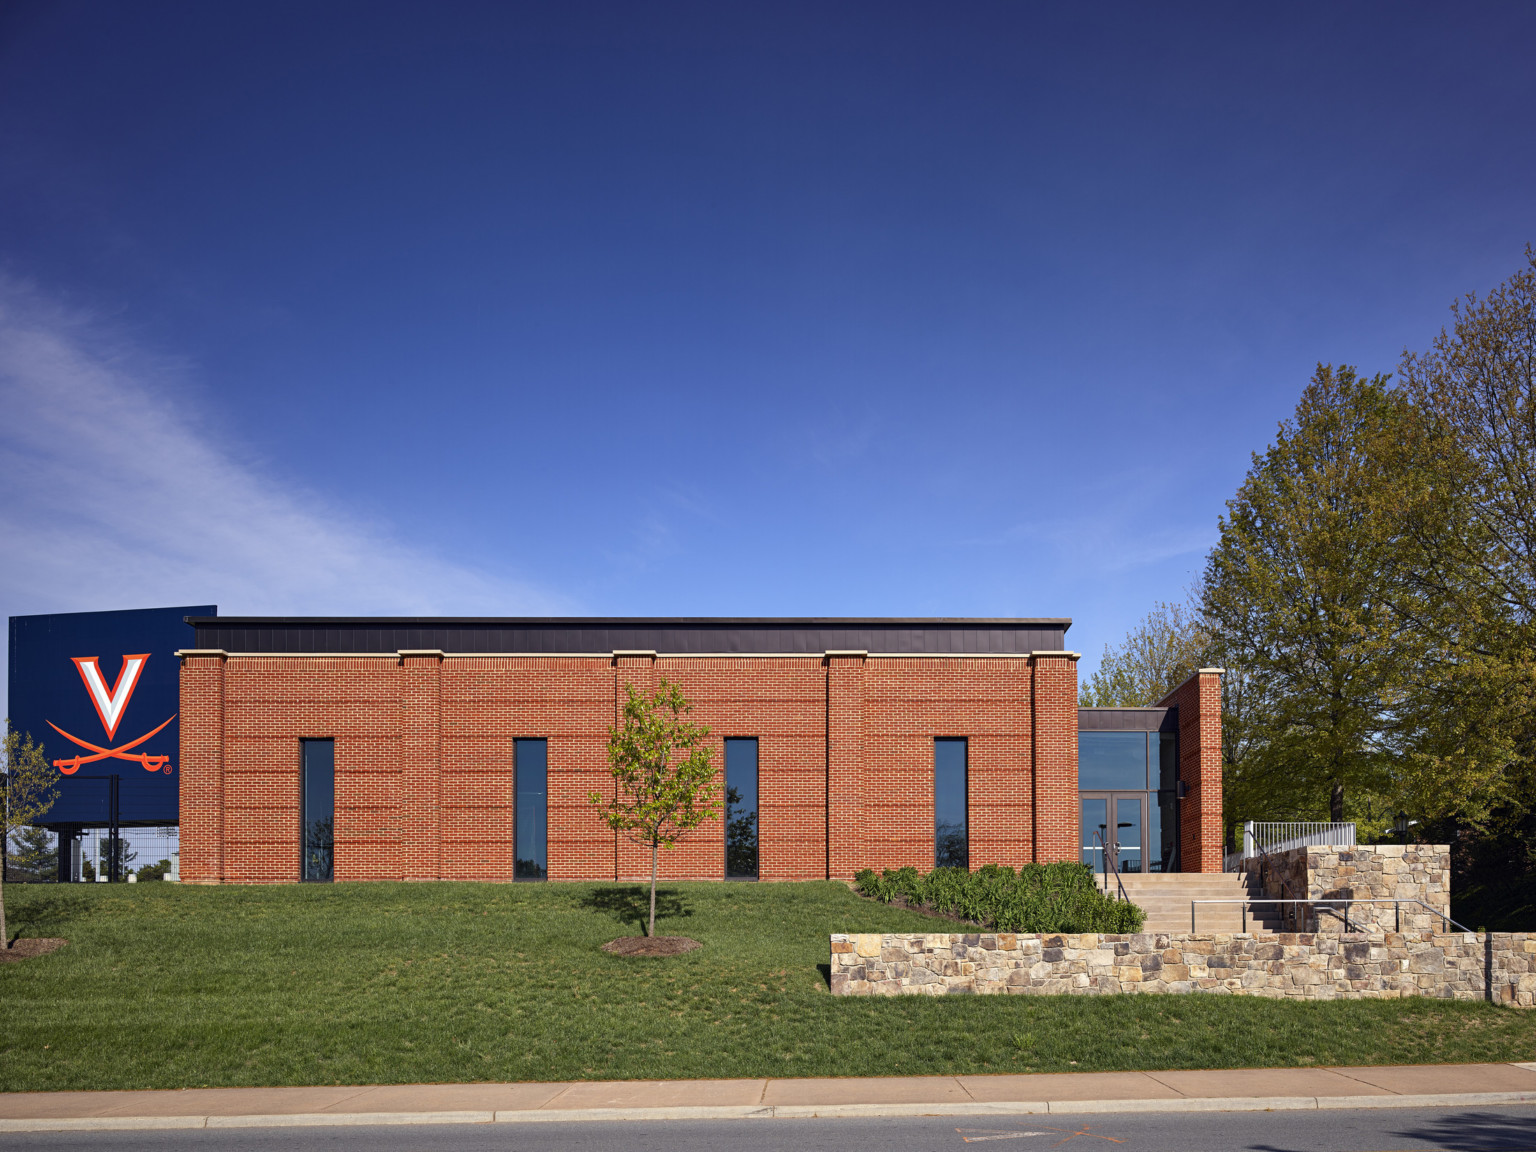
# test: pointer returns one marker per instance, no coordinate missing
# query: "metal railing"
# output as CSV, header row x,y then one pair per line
x,y
1260,836
1110,867
1334,901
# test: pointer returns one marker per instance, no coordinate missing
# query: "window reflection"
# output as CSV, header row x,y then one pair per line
x,y
1123,765
317,819
951,848
1112,761
530,844
1165,835
741,809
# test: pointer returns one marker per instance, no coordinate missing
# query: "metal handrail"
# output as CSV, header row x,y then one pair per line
x,y
1265,866
1346,901
1104,852
1278,835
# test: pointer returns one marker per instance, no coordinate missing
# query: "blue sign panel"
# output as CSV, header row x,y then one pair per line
x,y
100,691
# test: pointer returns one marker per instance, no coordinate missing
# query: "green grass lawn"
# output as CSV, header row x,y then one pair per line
x,y
168,986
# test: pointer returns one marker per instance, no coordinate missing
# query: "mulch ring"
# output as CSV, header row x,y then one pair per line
x,y
26,949
651,945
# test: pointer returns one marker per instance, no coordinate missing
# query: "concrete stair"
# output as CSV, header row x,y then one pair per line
x,y
1165,897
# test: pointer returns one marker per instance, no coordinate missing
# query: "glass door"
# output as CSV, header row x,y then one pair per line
x,y
1124,840
1130,833
1095,830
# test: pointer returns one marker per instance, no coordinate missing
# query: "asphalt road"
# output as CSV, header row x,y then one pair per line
x,y
1374,1130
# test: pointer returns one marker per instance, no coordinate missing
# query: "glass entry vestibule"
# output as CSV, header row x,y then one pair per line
x,y
1127,786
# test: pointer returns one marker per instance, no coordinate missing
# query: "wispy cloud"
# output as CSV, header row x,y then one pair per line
x,y
112,496
1134,519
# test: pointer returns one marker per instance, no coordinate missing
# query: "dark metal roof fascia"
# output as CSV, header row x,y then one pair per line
x,y
1064,622
1127,719
552,635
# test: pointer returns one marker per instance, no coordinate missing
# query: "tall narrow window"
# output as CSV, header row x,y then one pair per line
x,y
1166,842
951,848
530,847
317,808
741,809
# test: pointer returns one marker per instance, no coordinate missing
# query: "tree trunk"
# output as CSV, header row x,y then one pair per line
x,y
652,931
1336,803
5,940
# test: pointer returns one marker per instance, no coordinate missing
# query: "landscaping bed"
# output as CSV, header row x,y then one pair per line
x,y
1036,898
166,986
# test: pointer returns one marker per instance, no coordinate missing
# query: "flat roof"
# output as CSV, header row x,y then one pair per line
x,y
794,635
1064,622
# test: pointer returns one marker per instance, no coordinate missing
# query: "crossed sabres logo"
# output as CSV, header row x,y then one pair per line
x,y
110,706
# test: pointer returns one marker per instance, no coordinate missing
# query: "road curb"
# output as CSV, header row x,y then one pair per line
x,y
770,1112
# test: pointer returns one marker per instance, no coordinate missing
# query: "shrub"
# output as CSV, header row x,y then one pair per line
x,y
155,871
1037,898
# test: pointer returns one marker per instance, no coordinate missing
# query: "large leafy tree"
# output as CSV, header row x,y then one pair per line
x,y
31,787
1462,488
665,782
1300,592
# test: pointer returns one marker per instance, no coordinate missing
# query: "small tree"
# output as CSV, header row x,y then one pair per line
x,y
107,847
1156,656
33,855
664,781
31,787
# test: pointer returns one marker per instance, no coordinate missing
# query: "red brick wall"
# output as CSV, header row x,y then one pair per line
x,y
850,799
202,769
270,704
1198,700
424,750
1055,758
909,702
421,765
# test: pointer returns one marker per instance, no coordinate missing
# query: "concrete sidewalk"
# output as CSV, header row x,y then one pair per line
x,y
1240,1089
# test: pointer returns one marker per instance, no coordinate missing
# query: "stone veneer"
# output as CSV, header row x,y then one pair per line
x,y
1303,966
1383,871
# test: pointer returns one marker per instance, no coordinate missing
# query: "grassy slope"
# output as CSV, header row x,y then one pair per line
x,y
167,986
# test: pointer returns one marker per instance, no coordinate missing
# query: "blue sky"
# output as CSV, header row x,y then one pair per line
x,y
714,309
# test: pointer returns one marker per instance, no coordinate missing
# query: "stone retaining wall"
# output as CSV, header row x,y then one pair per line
x,y
1383,871
1303,966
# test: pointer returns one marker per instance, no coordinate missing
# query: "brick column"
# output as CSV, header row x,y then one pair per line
x,y
845,764
1198,700
1053,737
202,765
421,768
632,861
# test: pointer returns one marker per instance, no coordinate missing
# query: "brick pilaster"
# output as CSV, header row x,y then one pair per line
x,y
845,764
202,766
1054,752
421,768
1198,700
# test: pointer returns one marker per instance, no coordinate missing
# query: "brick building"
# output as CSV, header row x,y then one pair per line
x,y
457,749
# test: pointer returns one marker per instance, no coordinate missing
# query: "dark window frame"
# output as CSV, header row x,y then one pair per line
x,y
757,776
1167,798
517,809
1162,801
943,858
304,815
